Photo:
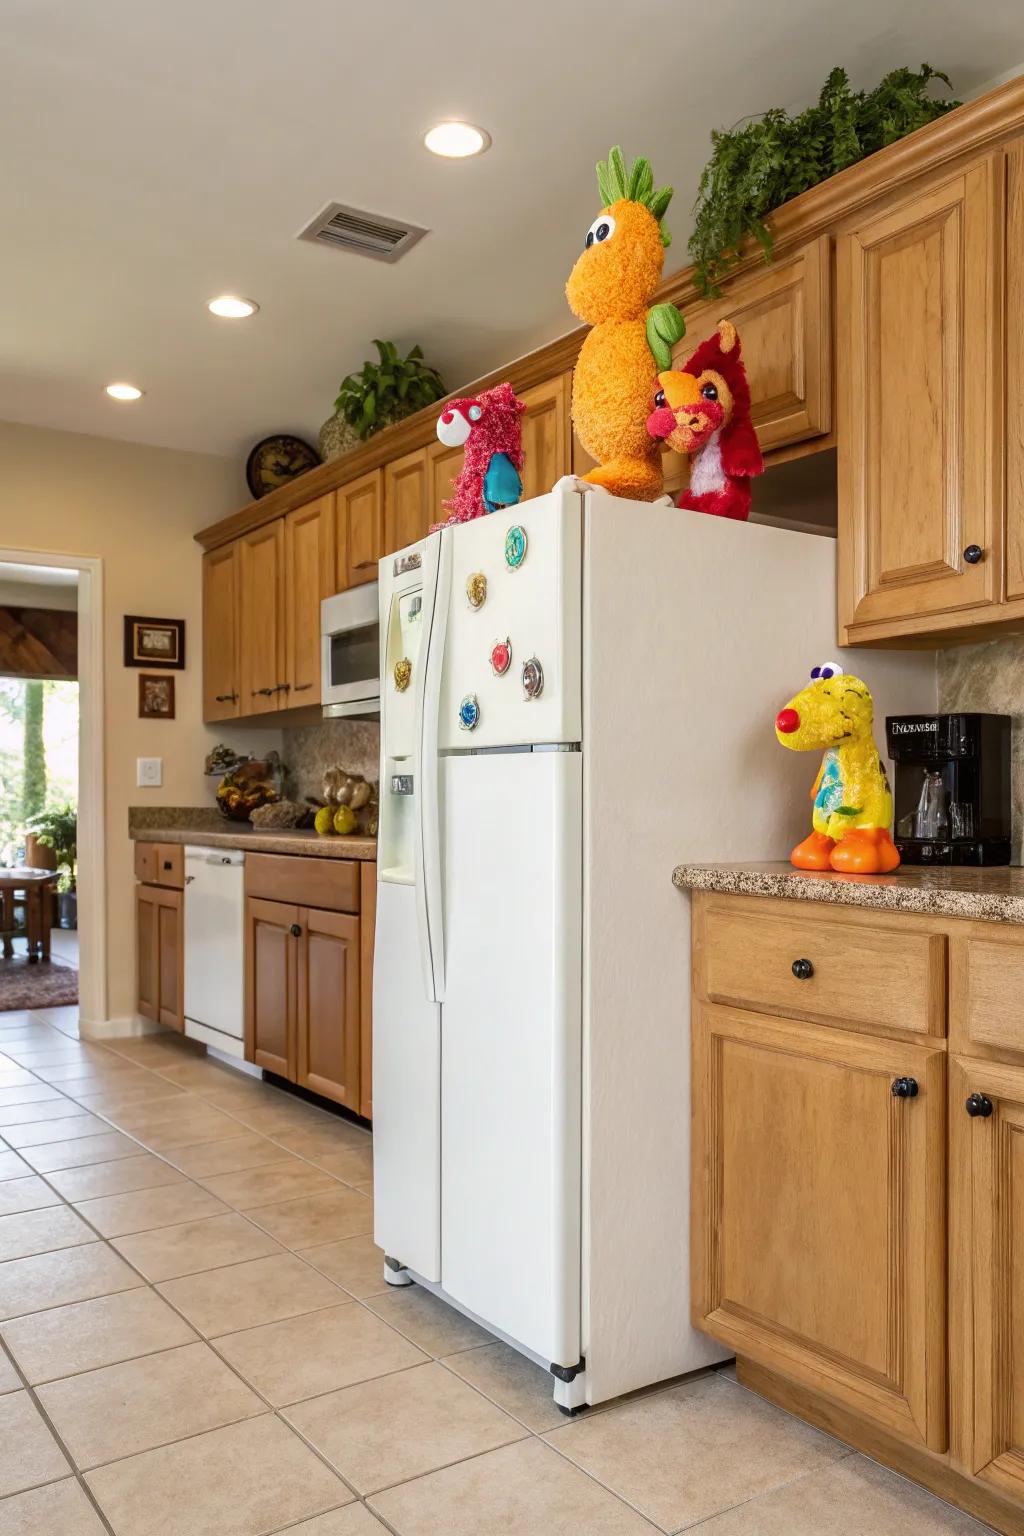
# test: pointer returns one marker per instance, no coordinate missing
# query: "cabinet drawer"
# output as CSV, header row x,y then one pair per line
x,y
330,884
145,863
875,976
987,993
170,865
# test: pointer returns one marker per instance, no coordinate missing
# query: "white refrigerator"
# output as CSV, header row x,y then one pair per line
x,y
576,695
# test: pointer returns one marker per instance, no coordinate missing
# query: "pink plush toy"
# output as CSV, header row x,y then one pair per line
x,y
489,426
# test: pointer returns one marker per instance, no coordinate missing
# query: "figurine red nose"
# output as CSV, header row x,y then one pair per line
x,y
448,417
787,721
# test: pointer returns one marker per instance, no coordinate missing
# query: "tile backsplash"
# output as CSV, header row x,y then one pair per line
x,y
309,749
989,679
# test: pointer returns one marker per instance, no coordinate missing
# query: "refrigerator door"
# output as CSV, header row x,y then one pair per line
x,y
511,1063
517,653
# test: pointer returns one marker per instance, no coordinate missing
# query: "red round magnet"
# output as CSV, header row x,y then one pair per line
x,y
501,657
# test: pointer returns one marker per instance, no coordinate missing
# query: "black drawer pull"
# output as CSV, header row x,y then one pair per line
x,y
979,1106
904,1088
973,554
803,970
295,931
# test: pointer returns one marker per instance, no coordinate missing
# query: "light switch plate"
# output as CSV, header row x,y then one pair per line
x,y
149,772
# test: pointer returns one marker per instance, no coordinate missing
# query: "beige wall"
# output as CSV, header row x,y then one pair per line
x,y
136,508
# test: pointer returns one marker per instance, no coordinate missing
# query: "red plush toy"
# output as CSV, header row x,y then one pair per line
x,y
489,425
704,411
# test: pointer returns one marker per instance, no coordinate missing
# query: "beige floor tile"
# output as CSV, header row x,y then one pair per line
x,y
365,1189
276,1182
355,1520
113,1098
77,1154
316,1353
31,1093
513,1382
207,1159
12,1166
432,1324
152,1114
689,1452
195,1245
316,1218
35,1113
68,1128
143,1209
356,1263
137,1405
855,1498
29,1455
59,1509
190,1132
246,1480
117,1178
14,1077
86,1335
325,1141
54,1279
28,1194
398,1427
520,1490
355,1165
10,1381
40,1231
248,1295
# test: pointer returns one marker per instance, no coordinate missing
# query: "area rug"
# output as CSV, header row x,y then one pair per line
x,y
46,984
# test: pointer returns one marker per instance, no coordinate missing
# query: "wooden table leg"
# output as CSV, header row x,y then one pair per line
x,y
32,919
7,920
45,918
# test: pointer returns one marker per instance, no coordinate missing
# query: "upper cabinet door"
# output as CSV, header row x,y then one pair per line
x,y
220,634
407,515
360,530
546,435
920,410
444,464
309,576
1015,373
261,642
783,314
818,1212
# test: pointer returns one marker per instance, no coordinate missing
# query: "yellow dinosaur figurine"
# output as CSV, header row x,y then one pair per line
x,y
851,796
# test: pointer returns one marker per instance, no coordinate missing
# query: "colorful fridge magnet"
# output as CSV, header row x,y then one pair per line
x,y
533,678
501,656
469,713
852,803
515,546
488,426
476,589
402,674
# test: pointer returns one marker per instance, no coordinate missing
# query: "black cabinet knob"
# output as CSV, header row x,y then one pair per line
x,y
904,1087
973,554
295,931
803,970
979,1106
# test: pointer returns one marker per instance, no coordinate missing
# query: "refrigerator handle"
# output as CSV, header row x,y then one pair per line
x,y
437,577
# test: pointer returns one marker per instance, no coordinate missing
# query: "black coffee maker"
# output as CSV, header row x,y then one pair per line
x,y
952,790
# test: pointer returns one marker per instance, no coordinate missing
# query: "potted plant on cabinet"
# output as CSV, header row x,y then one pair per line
x,y
57,828
377,396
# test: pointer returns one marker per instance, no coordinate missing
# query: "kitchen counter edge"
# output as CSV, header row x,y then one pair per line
x,y
252,840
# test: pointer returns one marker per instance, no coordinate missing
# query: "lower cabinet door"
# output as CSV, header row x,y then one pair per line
x,y
818,1211
272,930
160,955
147,976
328,1006
986,1277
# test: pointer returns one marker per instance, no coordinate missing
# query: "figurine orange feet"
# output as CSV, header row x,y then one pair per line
x,y
814,852
865,851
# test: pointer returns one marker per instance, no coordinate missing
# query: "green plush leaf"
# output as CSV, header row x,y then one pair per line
x,y
665,326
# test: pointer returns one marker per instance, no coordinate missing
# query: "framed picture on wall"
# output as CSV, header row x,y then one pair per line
x,y
154,643
156,696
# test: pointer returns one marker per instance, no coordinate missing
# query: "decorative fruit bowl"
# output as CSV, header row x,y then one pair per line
x,y
245,790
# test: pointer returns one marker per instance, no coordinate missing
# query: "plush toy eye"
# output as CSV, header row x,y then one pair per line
x,y
474,413
709,392
659,399
826,670
602,229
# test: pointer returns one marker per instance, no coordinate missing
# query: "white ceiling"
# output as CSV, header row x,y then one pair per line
x,y
158,154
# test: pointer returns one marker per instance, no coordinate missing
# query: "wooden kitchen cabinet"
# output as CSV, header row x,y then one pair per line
x,y
271,928
407,500
309,572
327,1013
547,435
262,619
160,955
920,431
818,1241
444,465
221,685
360,530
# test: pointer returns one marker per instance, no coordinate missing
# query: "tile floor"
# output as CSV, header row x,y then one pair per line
x,y
197,1341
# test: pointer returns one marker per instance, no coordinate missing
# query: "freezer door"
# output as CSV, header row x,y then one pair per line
x,y
530,558
511,1057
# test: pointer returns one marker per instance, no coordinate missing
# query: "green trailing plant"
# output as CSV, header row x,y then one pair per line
x,y
384,392
764,161
57,828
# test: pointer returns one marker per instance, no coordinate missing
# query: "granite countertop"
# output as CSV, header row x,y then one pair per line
x,y
995,895
207,828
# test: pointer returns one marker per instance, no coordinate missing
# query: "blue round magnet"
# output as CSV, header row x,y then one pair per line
x,y
469,713
515,546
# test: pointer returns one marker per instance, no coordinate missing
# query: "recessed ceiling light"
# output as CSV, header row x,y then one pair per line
x,y
124,392
456,140
230,307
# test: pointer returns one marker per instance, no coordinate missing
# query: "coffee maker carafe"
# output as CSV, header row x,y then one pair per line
x,y
952,790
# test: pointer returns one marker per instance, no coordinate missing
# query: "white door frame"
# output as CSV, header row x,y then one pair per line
x,y
92,843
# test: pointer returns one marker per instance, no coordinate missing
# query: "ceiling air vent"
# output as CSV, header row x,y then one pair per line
x,y
368,234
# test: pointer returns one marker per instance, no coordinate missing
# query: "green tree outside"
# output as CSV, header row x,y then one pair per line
x,y
33,788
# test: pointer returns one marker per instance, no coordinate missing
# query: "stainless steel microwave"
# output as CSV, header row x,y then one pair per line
x,y
350,652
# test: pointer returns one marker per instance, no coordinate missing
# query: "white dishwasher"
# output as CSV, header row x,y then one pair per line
x,y
214,948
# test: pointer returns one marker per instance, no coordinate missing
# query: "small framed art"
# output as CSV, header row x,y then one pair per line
x,y
154,643
156,696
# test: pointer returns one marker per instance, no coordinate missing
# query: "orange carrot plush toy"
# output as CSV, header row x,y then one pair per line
x,y
611,287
